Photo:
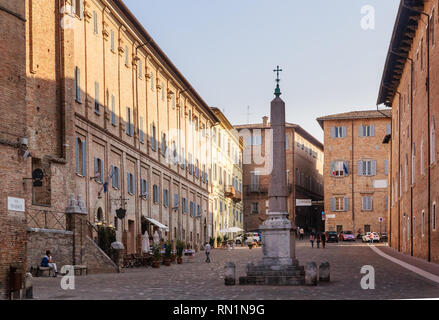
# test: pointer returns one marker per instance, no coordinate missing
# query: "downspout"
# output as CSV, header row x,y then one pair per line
x,y
353,184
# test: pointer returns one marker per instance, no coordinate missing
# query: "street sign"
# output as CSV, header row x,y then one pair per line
x,y
380,219
323,215
303,203
16,204
330,216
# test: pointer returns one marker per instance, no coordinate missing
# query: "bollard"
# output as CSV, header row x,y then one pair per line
x,y
311,274
324,272
28,286
229,277
117,249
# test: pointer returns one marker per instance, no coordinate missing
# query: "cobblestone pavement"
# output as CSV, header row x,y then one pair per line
x,y
197,280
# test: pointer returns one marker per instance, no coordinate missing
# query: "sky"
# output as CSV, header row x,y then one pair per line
x,y
228,49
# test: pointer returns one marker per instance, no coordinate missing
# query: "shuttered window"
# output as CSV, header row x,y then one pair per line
x,y
78,84
339,168
141,133
80,157
99,170
366,131
367,168
113,111
96,97
130,183
115,179
166,197
112,40
367,204
338,132
95,23
129,127
144,188
339,204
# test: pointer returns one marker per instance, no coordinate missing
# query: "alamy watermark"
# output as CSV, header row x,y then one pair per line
x,y
68,280
368,19
368,281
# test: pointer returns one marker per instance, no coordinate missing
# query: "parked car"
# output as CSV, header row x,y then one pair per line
x,y
347,236
366,237
331,236
249,237
383,237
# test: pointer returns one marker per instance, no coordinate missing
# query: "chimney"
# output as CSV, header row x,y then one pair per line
x,y
265,121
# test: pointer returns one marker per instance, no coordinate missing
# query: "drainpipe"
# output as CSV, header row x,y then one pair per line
x,y
428,127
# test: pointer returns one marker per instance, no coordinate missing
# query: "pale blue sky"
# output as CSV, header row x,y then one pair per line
x,y
227,50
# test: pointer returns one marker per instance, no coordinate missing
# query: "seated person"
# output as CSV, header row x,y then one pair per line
x,y
48,262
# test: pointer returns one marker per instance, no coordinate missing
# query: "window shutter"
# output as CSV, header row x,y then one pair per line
x,y
77,155
346,204
374,167
389,129
128,120
102,170
333,132
133,183
113,177
360,167
372,130
370,203
364,203
332,204
386,167
128,183
360,131
96,168
344,132
81,9
142,187
78,85
386,202
84,158
113,111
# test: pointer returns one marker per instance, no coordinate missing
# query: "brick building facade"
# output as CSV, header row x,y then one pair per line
x,y
410,86
97,106
356,171
304,174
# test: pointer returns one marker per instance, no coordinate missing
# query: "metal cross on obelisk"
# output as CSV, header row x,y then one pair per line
x,y
277,91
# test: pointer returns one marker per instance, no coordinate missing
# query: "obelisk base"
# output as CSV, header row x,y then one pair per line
x,y
277,266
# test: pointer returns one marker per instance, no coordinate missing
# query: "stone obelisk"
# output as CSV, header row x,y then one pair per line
x,y
279,265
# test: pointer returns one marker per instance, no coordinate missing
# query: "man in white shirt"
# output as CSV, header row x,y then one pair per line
x,y
207,249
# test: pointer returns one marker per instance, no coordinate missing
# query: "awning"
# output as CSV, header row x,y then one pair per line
x,y
231,230
158,224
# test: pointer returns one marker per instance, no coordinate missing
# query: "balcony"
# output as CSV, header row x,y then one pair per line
x,y
229,192
237,197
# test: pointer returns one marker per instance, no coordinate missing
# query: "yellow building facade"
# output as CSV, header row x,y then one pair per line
x,y
226,191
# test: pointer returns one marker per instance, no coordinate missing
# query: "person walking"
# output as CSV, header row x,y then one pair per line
x,y
302,233
207,249
371,237
318,240
312,238
323,240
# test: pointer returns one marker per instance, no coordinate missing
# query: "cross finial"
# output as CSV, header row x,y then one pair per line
x,y
277,91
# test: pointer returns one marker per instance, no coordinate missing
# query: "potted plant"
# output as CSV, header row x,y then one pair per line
x,y
180,248
218,241
168,253
157,255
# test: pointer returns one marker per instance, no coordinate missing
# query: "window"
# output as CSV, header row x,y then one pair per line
x,y
184,205
78,8
254,181
78,84
155,194
140,67
386,202
254,140
367,203
99,170
113,111
141,133
153,138
81,158
366,131
166,198
164,144
152,81
386,167
367,168
198,210
422,156
433,142
112,40
338,132
130,183
192,209
129,129
127,60
95,23
339,204
388,128
423,223
163,91
96,97
339,168
115,179
255,207
433,217
144,188
191,165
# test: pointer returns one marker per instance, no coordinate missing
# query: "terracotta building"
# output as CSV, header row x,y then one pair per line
x,y
96,110
410,86
356,171
226,195
304,174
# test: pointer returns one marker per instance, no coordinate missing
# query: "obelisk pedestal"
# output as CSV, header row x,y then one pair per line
x,y
279,265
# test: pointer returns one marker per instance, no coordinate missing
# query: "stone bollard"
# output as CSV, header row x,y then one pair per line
x,y
230,271
28,286
324,272
117,249
311,274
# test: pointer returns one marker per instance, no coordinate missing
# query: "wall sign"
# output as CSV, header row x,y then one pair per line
x,y
16,204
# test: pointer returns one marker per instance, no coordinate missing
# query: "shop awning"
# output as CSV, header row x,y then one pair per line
x,y
158,224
